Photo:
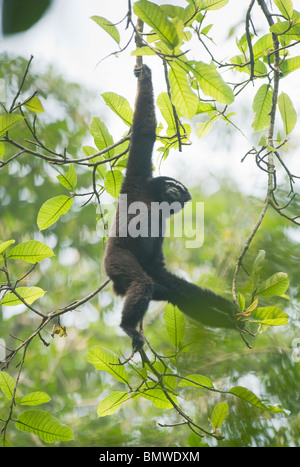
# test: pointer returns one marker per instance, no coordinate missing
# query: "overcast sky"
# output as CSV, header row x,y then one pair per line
x,y
68,37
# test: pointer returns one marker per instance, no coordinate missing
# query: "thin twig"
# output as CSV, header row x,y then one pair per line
x,y
271,166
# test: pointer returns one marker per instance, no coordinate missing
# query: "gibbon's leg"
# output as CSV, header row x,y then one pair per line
x,y
130,279
136,304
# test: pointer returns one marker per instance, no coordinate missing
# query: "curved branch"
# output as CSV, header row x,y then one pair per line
x,y
270,164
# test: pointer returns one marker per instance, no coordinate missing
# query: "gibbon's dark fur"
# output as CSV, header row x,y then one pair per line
x,y
136,266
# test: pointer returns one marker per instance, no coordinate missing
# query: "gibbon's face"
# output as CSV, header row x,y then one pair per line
x,y
170,190
175,191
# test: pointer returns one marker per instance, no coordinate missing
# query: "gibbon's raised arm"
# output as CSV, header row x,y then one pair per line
x,y
135,262
143,130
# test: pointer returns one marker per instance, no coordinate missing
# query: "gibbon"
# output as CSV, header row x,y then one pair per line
x,y
135,263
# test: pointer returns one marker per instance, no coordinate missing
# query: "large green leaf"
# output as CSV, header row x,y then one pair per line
x,y
249,396
219,414
211,4
269,316
184,99
119,105
175,322
29,294
7,385
45,425
287,112
262,104
112,403
165,106
34,105
31,251
203,128
101,168
289,65
196,381
52,209
285,7
212,84
258,264
155,17
113,182
291,32
35,398
158,397
108,27
105,360
262,45
7,121
5,245
68,180
277,284
102,137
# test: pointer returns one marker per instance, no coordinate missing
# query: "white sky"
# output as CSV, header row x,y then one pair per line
x,y
68,37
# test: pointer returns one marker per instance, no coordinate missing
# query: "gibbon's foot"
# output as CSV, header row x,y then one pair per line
x,y
137,342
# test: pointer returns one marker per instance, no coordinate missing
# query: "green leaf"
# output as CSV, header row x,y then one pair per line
x,y
175,322
113,182
144,50
35,398
258,264
34,105
197,381
285,7
277,284
212,84
7,385
5,245
219,414
158,398
69,180
269,316
165,106
249,396
262,45
289,65
52,209
7,121
242,301
205,107
184,99
120,106
203,128
102,137
108,27
29,294
155,17
31,251
45,425
287,112
284,28
212,4
101,168
262,104
112,403
206,29
252,306
105,360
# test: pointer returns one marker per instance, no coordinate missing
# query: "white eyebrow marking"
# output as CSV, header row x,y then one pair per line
x,y
173,182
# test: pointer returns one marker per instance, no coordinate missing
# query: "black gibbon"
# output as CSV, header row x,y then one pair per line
x,y
135,264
